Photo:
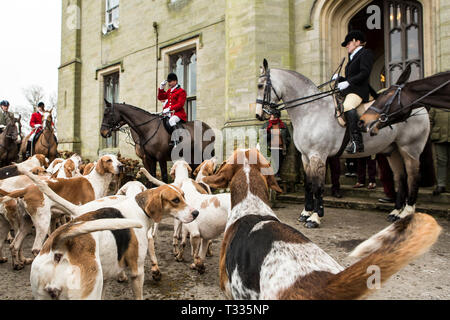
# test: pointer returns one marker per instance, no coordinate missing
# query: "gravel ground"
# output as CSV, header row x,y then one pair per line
x,y
341,230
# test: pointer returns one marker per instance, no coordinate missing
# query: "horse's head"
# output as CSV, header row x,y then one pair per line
x,y
387,108
111,120
12,130
269,94
47,119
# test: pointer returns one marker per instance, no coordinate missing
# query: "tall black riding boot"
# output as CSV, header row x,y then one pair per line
x,y
356,142
175,139
28,152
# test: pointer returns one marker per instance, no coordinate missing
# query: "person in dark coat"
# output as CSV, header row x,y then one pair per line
x,y
355,86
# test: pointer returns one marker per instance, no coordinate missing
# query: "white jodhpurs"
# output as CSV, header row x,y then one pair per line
x,y
174,120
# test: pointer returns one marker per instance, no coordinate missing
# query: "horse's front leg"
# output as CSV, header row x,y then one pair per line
x,y
398,168
163,167
317,173
412,166
309,197
150,165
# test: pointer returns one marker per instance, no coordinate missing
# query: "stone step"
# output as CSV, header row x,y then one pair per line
x,y
425,194
367,203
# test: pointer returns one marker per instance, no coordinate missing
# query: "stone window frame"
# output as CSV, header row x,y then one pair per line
x,y
178,47
109,15
101,75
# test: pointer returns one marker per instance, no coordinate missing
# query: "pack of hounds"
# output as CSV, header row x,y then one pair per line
x,y
83,236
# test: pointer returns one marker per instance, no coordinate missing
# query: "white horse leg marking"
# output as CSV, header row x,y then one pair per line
x,y
408,210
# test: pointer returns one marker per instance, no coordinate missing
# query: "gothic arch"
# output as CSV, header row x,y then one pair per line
x,y
332,17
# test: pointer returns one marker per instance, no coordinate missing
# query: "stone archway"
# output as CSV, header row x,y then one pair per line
x,y
333,16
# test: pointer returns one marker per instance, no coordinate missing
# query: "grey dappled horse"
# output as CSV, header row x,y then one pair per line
x,y
317,135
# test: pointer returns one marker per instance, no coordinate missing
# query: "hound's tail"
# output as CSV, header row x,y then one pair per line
x,y
384,254
150,177
65,205
79,227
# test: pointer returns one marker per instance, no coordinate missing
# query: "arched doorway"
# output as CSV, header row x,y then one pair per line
x,y
394,32
397,43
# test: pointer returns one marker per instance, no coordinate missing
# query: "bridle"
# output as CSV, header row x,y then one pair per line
x,y
384,111
267,98
117,125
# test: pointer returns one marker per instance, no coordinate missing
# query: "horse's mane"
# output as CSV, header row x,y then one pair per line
x,y
135,108
300,77
423,86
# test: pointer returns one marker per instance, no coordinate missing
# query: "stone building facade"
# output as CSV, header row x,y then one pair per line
x,y
123,49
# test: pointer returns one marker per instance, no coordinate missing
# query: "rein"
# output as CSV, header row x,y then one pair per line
x,y
314,97
384,116
157,116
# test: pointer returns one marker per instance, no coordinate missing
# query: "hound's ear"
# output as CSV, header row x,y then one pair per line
x,y
404,76
107,103
100,167
151,202
189,169
172,171
222,178
273,184
69,167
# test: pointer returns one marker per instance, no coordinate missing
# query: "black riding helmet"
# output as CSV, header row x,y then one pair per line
x,y
172,77
4,103
354,34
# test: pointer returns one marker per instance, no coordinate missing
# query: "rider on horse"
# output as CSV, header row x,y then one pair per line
x,y
355,86
176,98
36,125
5,115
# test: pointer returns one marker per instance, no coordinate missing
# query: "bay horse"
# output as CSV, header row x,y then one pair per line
x,y
318,135
9,149
152,139
397,103
46,143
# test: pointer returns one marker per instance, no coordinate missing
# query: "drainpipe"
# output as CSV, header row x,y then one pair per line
x,y
155,28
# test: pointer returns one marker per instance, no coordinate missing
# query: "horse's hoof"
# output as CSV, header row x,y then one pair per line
x,y
3,260
311,225
303,218
392,218
28,261
156,275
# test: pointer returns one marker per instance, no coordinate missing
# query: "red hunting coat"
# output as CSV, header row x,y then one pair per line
x,y
176,100
36,118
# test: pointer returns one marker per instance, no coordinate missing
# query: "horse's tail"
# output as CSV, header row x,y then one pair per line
x,y
427,170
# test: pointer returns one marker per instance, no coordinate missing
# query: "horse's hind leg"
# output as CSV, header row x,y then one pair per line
x,y
309,197
412,166
398,168
317,170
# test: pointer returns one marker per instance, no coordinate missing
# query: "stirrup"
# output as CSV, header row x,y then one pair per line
x,y
351,147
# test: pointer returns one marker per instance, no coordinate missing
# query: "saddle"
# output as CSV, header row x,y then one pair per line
x,y
169,128
338,104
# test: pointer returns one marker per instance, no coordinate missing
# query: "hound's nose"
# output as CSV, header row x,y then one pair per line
x,y
53,292
195,213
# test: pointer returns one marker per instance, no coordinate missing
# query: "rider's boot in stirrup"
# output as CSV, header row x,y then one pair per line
x,y
356,142
175,139
28,151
